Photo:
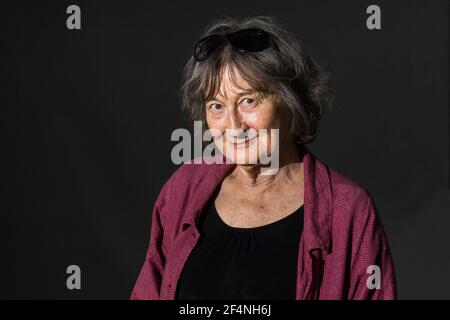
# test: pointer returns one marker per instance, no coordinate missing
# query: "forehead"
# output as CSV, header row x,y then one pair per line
x,y
232,84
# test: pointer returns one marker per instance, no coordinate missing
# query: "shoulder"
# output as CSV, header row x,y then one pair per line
x,y
186,191
353,205
328,185
347,190
347,200
354,219
191,179
181,179
198,170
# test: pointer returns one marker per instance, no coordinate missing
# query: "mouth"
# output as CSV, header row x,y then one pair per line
x,y
239,143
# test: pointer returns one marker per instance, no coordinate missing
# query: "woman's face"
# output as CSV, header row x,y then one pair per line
x,y
237,117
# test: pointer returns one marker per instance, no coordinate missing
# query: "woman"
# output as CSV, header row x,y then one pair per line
x,y
235,231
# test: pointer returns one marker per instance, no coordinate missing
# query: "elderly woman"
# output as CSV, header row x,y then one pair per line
x,y
234,231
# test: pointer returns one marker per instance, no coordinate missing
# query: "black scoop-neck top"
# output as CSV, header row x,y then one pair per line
x,y
242,263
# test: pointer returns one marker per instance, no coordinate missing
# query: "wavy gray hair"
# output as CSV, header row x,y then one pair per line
x,y
288,72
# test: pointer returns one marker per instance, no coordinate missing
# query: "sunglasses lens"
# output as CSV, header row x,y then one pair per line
x,y
205,46
250,40
246,40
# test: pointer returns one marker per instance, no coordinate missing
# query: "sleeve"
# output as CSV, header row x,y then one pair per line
x,y
372,267
148,284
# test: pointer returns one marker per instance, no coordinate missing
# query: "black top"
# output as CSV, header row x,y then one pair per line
x,y
242,263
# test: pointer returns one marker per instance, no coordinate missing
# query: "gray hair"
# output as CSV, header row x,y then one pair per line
x,y
288,72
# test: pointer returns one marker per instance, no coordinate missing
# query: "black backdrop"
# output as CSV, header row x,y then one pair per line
x,y
87,117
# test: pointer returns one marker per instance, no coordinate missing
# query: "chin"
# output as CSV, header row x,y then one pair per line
x,y
242,158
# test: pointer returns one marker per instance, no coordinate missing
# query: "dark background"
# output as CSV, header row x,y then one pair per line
x,y
86,118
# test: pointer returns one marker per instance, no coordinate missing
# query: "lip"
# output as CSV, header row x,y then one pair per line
x,y
243,143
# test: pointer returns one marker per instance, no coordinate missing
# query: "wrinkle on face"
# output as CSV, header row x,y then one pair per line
x,y
234,120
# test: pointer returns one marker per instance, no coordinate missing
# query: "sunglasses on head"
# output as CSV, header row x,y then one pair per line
x,y
245,40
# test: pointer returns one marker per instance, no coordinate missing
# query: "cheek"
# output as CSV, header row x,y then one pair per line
x,y
264,118
251,118
212,122
216,126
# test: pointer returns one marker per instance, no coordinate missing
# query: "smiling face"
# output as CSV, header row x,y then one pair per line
x,y
236,116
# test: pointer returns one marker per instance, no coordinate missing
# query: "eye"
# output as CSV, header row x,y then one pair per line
x,y
215,107
248,102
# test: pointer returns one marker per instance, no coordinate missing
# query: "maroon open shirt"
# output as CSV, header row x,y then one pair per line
x,y
342,236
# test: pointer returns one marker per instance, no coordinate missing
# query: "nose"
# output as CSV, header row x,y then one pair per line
x,y
236,124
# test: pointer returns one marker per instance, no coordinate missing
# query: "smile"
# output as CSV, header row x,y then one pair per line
x,y
243,142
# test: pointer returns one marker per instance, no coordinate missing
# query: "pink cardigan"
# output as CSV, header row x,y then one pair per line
x,y
342,235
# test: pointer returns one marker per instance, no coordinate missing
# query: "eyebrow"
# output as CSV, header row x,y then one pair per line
x,y
238,95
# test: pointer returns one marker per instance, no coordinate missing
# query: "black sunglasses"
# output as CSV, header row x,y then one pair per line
x,y
245,40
